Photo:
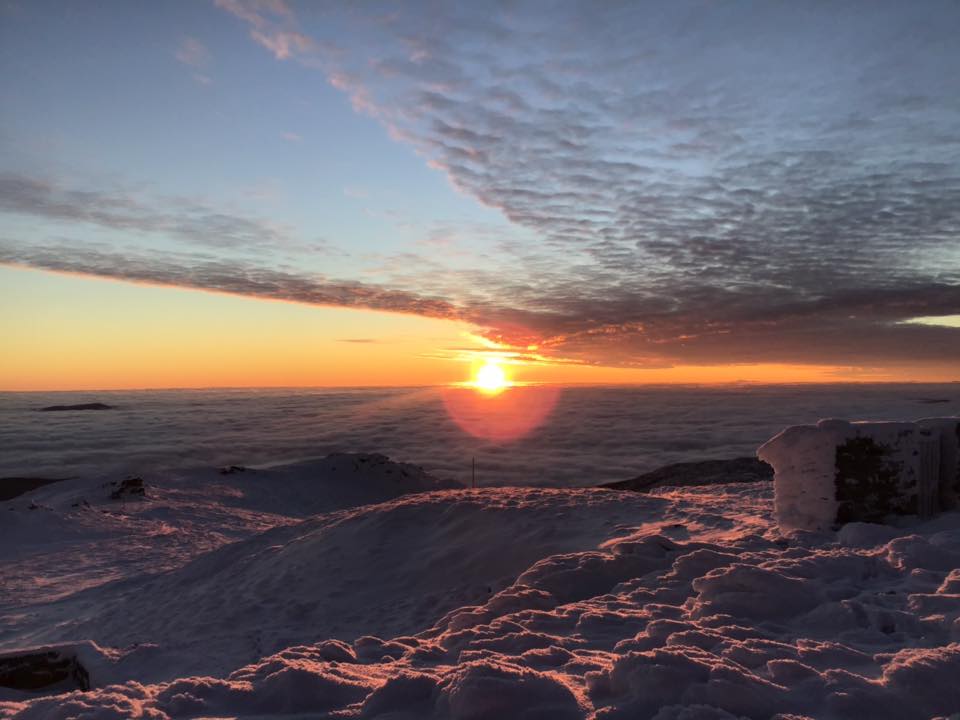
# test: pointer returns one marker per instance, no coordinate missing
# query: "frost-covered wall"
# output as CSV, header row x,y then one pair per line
x,y
837,471
949,432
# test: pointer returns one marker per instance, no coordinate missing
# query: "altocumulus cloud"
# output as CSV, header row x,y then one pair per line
x,y
728,182
707,181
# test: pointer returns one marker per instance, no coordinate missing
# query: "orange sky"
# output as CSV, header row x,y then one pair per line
x,y
77,333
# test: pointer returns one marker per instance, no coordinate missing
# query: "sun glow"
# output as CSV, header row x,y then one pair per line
x,y
490,378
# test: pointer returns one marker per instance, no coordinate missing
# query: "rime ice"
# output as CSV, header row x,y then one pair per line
x,y
837,472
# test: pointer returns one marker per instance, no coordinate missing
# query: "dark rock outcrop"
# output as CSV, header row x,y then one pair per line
x,y
132,487
704,472
232,469
40,670
11,487
81,406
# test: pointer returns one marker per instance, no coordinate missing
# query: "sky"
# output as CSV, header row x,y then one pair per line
x,y
263,193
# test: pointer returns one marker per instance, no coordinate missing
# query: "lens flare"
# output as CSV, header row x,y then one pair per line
x,y
501,417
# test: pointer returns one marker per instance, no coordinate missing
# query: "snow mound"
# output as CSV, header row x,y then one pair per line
x,y
686,604
338,481
387,569
75,525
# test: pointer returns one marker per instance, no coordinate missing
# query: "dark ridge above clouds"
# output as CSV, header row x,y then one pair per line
x,y
705,183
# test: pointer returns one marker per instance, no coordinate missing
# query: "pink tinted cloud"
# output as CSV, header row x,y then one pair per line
x,y
192,52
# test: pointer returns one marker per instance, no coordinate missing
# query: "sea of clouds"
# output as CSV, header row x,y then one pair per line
x,y
592,434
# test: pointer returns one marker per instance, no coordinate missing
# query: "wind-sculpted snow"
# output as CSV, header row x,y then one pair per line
x,y
75,525
383,569
685,604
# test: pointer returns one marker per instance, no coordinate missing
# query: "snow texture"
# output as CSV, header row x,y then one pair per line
x,y
682,604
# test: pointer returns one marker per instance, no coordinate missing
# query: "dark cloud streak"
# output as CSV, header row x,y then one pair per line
x,y
231,277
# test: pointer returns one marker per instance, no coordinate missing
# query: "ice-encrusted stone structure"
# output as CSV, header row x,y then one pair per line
x,y
835,472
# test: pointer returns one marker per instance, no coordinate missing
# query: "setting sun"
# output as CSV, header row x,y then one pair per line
x,y
491,378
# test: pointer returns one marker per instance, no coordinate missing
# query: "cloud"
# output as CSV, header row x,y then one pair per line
x,y
272,25
183,218
584,313
703,186
226,276
192,52
688,183
291,137
356,193
858,329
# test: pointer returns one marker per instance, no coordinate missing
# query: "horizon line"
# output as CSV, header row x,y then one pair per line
x,y
732,383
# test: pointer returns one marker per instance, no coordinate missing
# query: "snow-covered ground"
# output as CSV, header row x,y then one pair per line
x,y
356,588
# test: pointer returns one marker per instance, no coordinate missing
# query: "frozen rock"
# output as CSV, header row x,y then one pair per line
x,y
11,487
43,669
703,472
132,487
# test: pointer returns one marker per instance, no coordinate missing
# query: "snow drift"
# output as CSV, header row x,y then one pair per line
x,y
522,603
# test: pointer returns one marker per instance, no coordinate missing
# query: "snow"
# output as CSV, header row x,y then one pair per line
x,y
75,537
278,600
838,471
